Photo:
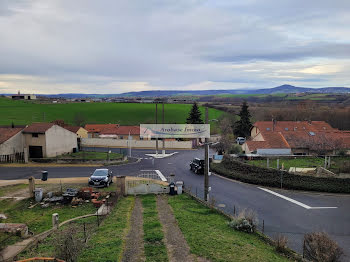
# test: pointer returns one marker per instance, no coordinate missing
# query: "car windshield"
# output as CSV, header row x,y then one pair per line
x,y
100,173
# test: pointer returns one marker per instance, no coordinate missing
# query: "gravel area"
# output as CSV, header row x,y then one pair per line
x,y
178,249
134,251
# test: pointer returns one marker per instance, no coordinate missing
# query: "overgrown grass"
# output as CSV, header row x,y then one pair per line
x,y
47,247
38,219
107,243
155,249
5,190
209,236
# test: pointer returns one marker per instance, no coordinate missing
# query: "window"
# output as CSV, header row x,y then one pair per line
x,y
268,129
35,135
311,133
286,129
121,137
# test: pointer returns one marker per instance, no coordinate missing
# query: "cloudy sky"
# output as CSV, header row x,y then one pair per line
x,y
82,46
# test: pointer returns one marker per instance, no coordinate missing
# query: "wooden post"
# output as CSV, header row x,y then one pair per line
x,y
267,163
121,186
31,186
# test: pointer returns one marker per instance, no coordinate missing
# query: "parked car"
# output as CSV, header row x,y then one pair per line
x,y
240,140
197,166
101,178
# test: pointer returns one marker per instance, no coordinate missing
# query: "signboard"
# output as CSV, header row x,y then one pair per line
x,y
175,131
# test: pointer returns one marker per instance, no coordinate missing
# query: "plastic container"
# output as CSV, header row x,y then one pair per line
x,y
44,175
38,193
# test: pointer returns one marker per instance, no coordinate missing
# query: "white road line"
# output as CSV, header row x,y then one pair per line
x,y
161,175
292,200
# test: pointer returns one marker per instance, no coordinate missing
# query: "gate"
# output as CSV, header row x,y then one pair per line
x,y
146,186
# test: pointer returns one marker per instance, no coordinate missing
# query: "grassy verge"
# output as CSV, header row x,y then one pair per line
x,y
4,191
107,243
209,236
155,249
90,155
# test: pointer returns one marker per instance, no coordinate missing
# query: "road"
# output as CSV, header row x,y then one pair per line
x,y
291,213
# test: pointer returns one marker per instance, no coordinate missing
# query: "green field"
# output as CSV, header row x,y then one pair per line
x,y
21,112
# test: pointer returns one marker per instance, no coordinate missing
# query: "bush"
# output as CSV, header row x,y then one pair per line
x,y
235,149
246,221
280,243
319,247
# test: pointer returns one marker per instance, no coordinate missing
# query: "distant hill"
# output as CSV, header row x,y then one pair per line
x,y
287,89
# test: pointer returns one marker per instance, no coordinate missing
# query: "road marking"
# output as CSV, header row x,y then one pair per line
x,y
161,175
292,200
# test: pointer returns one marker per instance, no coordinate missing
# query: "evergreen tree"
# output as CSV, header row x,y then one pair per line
x,y
194,117
243,125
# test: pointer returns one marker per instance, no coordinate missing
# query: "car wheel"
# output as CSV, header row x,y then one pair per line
x,y
108,183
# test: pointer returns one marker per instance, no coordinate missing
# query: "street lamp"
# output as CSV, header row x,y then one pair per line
x,y
206,165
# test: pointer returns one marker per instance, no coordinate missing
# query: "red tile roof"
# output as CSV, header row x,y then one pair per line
x,y
294,126
73,129
122,130
38,128
7,132
97,128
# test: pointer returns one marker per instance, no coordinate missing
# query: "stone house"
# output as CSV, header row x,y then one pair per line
x,y
11,140
48,140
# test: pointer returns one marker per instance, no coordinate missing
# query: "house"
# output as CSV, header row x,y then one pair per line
x,y
78,130
48,140
95,129
121,132
11,140
20,96
296,137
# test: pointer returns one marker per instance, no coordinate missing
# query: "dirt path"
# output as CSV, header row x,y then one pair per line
x,y
134,251
178,249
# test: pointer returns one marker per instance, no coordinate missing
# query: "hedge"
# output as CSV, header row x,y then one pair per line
x,y
272,177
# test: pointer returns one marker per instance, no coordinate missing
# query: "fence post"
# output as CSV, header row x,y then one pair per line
x,y
304,249
263,229
278,163
281,179
267,162
234,210
84,233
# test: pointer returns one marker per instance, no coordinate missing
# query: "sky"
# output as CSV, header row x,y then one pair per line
x,y
89,46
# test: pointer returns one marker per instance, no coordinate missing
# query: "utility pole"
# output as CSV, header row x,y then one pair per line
x,y
206,165
156,124
163,124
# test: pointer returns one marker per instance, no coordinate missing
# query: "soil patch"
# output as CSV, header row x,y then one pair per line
x,y
134,250
178,249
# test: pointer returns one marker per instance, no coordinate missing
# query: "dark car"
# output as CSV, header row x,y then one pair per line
x,y
197,166
101,178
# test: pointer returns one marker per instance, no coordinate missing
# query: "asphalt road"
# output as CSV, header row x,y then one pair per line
x,y
293,214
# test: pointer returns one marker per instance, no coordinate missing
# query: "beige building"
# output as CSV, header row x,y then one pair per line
x,y
11,140
49,140
79,131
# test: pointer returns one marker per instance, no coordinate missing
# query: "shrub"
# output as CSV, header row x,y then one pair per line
x,y
246,221
235,149
319,247
68,245
280,243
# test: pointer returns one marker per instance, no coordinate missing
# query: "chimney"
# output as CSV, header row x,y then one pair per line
x,y
273,124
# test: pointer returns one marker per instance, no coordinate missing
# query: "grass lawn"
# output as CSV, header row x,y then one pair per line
x,y
24,112
336,162
155,249
209,236
91,155
48,247
107,243
11,189
39,219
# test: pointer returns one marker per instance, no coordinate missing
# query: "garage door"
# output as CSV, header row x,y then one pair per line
x,y
35,151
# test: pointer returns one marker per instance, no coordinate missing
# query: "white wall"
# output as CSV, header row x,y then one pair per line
x,y
59,141
13,145
105,142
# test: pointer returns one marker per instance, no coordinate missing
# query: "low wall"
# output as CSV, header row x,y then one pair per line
x,y
274,178
105,142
